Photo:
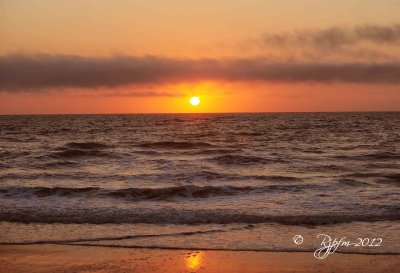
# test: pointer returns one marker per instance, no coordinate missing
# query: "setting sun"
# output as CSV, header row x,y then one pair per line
x,y
194,101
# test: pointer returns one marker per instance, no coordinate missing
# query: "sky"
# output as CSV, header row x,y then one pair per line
x,y
72,57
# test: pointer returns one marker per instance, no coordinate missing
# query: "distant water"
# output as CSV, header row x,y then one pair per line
x,y
212,181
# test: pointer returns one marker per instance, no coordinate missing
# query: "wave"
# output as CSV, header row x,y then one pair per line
x,y
81,153
371,156
86,145
189,217
352,182
395,176
126,237
77,175
67,174
13,154
390,178
383,155
214,151
393,179
250,133
5,154
82,149
197,249
19,140
184,145
167,193
231,159
275,178
60,164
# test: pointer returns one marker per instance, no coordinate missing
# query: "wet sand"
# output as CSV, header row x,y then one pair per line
x,y
62,258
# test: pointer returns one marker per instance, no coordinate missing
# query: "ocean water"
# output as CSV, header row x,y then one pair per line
x,y
201,181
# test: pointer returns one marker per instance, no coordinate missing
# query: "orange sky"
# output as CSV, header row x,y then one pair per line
x,y
237,56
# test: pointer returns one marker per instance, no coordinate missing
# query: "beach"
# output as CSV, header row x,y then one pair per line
x,y
59,258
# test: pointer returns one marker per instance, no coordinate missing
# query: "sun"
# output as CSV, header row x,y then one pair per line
x,y
194,101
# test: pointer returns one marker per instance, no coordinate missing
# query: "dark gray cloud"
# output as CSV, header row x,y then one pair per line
x,y
135,93
60,71
336,36
47,72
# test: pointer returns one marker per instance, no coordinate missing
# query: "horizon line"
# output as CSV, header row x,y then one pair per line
x,y
202,113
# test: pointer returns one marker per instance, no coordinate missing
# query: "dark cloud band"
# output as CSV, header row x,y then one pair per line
x,y
334,37
40,72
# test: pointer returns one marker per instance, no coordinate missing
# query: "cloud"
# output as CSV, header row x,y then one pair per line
x,y
136,93
335,37
19,73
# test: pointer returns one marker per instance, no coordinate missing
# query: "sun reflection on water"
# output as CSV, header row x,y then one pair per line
x,y
193,260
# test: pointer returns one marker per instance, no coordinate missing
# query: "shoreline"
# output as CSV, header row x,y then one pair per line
x,y
133,247
73,258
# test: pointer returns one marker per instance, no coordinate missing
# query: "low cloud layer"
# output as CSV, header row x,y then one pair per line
x,y
335,37
48,72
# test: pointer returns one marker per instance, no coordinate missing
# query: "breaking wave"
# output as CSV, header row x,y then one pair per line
x,y
174,145
230,159
173,216
167,193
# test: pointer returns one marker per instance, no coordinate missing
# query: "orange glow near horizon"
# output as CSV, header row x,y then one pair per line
x,y
215,98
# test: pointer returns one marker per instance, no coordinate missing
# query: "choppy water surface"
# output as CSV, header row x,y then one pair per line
x,y
213,181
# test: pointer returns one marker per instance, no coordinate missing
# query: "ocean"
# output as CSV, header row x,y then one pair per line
x,y
201,181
